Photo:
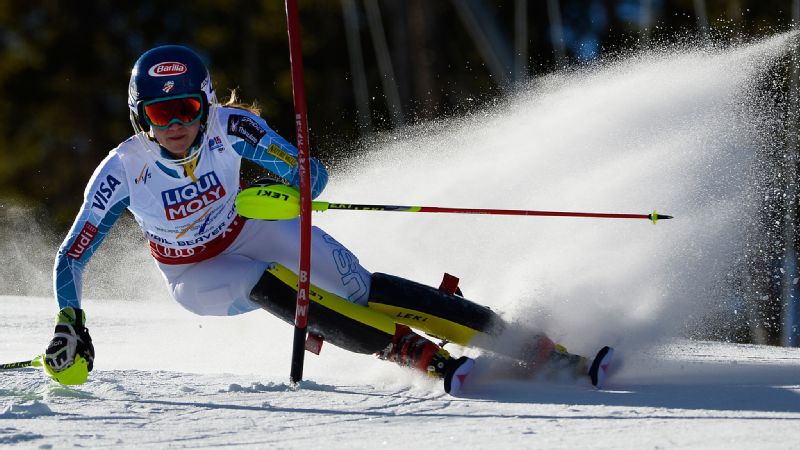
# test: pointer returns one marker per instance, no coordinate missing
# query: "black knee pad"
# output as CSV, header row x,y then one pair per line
x,y
275,296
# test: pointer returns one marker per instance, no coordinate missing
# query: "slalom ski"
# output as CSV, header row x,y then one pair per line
x,y
600,365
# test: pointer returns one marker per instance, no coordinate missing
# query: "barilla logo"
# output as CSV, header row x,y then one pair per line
x,y
167,69
184,201
82,241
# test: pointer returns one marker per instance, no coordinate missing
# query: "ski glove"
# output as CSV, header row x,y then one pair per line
x,y
71,345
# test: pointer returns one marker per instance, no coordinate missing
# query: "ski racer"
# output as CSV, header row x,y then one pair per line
x,y
179,175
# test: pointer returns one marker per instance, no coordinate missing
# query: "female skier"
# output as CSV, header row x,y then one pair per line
x,y
179,175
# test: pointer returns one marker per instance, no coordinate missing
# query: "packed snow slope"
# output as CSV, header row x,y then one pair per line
x,y
679,130
166,379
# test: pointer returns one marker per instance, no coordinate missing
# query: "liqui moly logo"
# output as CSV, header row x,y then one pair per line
x,y
184,201
82,241
167,69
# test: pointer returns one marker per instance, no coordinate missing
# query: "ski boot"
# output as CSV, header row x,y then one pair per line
x,y
561,363
544,358
408,349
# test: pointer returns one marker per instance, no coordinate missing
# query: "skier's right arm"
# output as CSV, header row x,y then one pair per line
x,y
70,354
105,197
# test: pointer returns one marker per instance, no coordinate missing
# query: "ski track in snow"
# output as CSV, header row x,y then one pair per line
x,y
672,129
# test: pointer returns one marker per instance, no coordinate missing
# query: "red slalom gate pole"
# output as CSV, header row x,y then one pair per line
x,y
301,123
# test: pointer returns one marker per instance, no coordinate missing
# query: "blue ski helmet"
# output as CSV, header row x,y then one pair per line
x,y
164,72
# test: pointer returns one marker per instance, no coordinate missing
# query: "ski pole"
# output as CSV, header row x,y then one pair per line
x,y
324,206
35,362
279,202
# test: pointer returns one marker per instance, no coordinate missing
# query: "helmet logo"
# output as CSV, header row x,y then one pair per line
x,y
168,86
167,69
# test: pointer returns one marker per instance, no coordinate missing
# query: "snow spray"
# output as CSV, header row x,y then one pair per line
x,y
673,129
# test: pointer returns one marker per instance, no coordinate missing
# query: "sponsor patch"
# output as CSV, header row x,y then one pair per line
x,y
245,128
144,175
104,192
82,241
277,152
167,69
215,143
184,201
204,217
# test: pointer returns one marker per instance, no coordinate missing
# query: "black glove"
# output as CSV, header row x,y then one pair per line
x,y
71,339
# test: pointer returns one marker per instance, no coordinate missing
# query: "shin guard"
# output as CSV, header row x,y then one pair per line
x,y
437,313
344,324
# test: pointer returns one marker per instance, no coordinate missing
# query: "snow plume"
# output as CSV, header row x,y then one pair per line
x,y
121,269
28,252
677,130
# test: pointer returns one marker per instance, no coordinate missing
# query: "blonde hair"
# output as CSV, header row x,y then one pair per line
x,y
234,102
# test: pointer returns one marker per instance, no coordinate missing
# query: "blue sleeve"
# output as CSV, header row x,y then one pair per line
x,y
253,139
105,198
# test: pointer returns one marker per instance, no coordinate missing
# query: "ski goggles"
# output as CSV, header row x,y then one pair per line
x,y
185,109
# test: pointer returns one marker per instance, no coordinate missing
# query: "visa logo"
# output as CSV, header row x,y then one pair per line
x,y
104,192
